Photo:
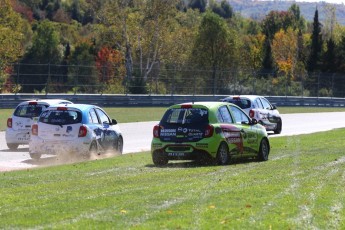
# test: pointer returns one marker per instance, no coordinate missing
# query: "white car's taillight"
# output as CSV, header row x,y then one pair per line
x,y
34,130
251,113
209,131
156,131
9,122
82,131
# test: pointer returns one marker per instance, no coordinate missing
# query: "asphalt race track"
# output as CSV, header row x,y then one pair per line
x,y
137,137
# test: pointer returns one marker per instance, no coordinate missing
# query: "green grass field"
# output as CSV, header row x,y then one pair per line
x,y
301,186
135,114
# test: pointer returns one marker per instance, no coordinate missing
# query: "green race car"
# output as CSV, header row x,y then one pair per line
x,y
212,131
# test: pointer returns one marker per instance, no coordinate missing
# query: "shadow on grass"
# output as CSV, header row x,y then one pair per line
x,y
198,164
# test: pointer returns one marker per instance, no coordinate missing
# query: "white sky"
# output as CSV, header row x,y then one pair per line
x,y
329,1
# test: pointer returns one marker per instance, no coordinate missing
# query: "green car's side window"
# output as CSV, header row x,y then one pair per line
x,y
223,115
239,116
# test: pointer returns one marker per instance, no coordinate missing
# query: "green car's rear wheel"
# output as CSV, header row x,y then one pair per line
x,y
223,156
159,158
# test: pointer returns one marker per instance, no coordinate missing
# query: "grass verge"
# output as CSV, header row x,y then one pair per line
x,y
300,187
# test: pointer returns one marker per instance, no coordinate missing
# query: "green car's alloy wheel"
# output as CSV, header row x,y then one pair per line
x,y
264,150
159,158
223,156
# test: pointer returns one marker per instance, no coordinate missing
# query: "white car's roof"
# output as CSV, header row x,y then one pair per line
x,y
47,101
251,97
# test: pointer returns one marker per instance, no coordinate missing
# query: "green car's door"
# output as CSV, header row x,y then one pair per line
x,y
249,132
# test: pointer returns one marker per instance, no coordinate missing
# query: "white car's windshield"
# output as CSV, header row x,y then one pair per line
x,y
60,117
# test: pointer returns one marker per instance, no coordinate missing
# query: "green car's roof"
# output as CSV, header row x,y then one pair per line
x,y
201,104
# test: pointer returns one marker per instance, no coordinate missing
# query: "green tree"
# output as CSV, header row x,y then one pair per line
x,y
45,51
329,58
298,21
214,46
316,44
198,5
82,70
223,9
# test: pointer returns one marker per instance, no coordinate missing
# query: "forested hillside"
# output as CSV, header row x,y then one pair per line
x,y
259,9
169,47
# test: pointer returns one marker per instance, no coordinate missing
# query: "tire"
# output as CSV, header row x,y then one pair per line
x,y
159,158
12,146
93,150
35,156
223,157
119,145
264,150
278,130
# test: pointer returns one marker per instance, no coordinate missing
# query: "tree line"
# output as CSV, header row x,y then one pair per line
x,y
127,42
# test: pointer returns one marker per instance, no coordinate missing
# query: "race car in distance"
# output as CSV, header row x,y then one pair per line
x,y
261,109
79,129
25,114
213,131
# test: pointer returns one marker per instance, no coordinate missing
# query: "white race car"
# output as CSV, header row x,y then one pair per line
x,y
24,116
261,109
79,129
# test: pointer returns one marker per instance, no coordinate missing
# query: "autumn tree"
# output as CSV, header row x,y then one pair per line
x,y
109,64
284,50
253,51
141,29
14,32
274,22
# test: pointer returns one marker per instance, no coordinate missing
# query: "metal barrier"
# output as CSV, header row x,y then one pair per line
x,y
12,100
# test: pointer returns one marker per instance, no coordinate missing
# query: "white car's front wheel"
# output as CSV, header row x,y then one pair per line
x,y
12,146
35,156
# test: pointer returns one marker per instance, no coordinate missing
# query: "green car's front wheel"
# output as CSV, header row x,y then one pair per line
x,y
223,156
159,158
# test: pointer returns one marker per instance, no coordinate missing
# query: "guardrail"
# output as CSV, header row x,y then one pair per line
x,y
12,100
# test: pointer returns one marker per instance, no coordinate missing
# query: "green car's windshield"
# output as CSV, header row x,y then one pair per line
x,y
186,116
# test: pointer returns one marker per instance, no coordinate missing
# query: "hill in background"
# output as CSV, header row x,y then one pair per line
x,y
259,9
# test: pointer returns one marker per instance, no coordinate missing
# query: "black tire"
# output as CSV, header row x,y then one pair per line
x,y
119,145
264,150
12,146
35,156
278,130
93,150
223,157
159,158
